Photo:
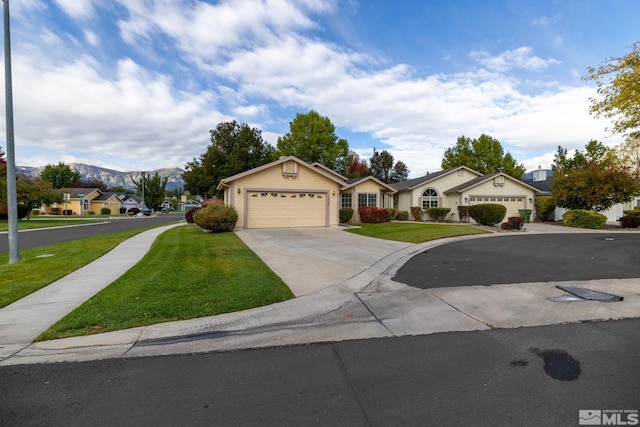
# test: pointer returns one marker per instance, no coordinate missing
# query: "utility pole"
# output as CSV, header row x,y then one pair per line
x,y
12,198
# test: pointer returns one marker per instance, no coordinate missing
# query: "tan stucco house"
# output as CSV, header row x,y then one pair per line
x,y
81,201
292,193
462,186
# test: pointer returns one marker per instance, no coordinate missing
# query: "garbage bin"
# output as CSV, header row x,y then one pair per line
x,y
526,214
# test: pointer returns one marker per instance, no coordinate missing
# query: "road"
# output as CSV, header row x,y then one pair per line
x,y
34,238
539,376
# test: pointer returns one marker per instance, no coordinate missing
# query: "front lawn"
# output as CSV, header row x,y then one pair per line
x,y
23,224
414,232
186,274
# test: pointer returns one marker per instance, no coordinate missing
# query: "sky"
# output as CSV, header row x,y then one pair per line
x,y
138,84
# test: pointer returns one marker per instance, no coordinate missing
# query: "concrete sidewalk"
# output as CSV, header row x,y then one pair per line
x,y
351,296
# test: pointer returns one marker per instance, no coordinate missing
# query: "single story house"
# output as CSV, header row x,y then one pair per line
x,y
462,186
129,201
81,201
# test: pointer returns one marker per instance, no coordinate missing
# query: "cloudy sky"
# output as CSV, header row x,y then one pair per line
x,y
138,84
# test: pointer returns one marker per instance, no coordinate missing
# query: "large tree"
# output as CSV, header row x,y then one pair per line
x,y
591,179
60,175
628,153
151,188
234,148
358,168
312,138
34,191
386,169
618,86
484,154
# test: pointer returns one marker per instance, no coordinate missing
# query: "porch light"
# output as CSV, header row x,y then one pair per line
x,y
239,191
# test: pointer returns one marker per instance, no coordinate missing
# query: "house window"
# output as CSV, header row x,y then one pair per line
x,y
346,201
367,199
429,198
85,205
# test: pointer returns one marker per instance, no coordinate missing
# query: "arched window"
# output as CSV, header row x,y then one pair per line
x,y
85,205
429,198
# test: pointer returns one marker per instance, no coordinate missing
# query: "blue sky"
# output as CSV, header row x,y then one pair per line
x,y
137,85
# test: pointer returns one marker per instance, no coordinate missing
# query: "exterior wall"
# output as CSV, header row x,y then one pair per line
x,y
272,179
112,204
367,187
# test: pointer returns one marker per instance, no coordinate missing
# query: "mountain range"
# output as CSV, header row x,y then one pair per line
x,y
114,178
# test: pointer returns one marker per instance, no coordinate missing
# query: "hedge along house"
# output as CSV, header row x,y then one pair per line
x,y
366,191
462,186
292,193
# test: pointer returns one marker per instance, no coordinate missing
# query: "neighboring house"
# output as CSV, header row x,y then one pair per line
x,y
129,201
366,191
187,204
167,204
292,193
81,201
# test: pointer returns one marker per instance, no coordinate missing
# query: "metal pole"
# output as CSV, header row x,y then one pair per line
x,y
12,198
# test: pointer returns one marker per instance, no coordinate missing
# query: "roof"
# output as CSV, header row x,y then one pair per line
x,y
355,181
484,178
332,176
543,186
106,196
413,183
326,169
75,193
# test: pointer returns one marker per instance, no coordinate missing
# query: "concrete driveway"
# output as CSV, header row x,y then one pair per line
x,y
311,259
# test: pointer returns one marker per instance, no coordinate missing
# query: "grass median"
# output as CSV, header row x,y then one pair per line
x,y
24,224
185,275
414,233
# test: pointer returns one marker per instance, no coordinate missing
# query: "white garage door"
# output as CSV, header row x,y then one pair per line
x,y
512,203
286,209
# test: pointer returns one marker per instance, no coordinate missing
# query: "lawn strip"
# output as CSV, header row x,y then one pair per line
x,y
185,275
414,233
23,224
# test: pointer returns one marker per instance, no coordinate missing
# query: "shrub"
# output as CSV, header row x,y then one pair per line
x,y
35,211
55,211
133,211
216,218
487,213
105,211
545,206
67,212
630,221
513,223
345,215
23,211
122,210
580,218
438,214
372,215
392,214
635,212
463,213
416,213
92,213
403,216
188,215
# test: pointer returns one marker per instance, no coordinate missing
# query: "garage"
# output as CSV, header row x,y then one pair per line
x,y
274,209
512,203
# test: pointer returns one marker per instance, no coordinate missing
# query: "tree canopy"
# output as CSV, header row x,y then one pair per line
x,y
618,87
591,179
234,148
33,191
484,154
386,169
312,138
60,175
151,188
358,168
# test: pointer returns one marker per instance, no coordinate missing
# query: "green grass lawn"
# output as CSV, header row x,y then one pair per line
x,y
186,274
41,266
414,233
23,224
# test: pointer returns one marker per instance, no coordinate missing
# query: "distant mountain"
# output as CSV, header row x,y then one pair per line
x,y
113,178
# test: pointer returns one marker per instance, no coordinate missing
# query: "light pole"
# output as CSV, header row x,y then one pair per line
x,y
12,198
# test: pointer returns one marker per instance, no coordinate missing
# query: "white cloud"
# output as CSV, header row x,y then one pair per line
x,y
77,9
92,38
513,59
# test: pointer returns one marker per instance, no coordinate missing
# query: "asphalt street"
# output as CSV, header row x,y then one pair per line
x,y
28,239
538,376
525,259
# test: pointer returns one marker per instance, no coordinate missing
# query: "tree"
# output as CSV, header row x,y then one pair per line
x,y
618,87
234,148
152,189
484,154
591,179
384,167
628,153
312,138
60,175
34,191
358,167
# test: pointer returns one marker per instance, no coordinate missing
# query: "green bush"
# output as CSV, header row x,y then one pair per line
x,y
580,218
345,215
35,211
545,206
105,211
23,211
416,213
487,213
92,213
438,214
634,212
122,210
403,216
392,214
216,218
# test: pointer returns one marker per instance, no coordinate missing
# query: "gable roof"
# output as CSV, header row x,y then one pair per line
x,y
107,196
326,169
75,193
416,182
355,181
484,178
332,176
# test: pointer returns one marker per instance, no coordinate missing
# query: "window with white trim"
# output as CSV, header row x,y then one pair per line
x,y
346,201
429,198
367,199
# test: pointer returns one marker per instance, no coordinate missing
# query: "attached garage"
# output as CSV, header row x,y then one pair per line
x,y
513,203
275,209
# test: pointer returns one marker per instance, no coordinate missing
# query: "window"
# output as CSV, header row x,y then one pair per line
x,y
85,205
346,201
367,199
429,198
